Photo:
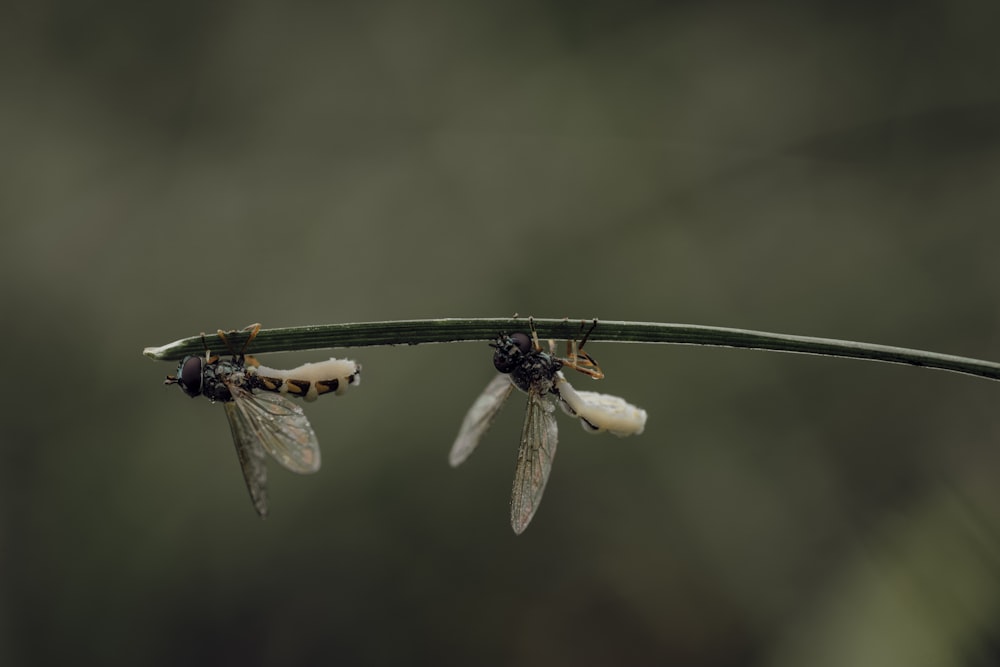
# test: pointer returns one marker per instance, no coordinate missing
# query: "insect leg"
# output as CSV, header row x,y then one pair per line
x,y
579,360
534,335
254,329
583,341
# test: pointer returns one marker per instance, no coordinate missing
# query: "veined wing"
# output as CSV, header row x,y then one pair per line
x,y
534,459
251,456
280,427
479,417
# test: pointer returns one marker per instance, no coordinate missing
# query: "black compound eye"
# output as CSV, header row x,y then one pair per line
x,y
189,375
522,341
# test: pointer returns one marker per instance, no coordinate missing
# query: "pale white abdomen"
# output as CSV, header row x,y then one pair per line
x,y
601,412
308,381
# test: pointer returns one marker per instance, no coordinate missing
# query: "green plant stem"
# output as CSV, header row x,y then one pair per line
x,y
414,332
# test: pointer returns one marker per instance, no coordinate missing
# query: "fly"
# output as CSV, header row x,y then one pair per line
x,y
523,364
260,416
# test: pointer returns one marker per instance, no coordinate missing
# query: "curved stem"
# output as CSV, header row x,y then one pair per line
x,y
414,332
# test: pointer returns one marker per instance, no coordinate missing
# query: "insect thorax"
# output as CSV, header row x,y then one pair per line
x,y
216,375
536,369
528,367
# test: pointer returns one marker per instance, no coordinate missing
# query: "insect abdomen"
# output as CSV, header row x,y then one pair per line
x,y
308,381
601,412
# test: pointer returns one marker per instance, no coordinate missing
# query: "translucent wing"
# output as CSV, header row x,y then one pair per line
x,y
479,417
251,456
534,459
280,427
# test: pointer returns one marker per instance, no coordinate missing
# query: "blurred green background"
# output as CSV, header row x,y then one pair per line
x,y
823,169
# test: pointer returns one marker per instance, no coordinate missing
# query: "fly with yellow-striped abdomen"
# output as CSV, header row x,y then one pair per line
x,y
523,364
260,416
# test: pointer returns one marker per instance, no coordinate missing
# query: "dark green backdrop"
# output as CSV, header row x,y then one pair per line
x,y
826,169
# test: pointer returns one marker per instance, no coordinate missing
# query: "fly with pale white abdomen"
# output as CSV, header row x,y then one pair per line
x,y
524,365
260,417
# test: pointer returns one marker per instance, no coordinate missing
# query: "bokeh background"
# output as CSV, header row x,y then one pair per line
x,y
826,169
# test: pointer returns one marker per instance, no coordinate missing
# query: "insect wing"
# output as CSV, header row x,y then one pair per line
x,y
251,456
534,459
479,417
280,427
